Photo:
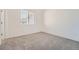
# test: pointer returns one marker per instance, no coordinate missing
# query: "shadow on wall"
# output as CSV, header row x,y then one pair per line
x,y
63,23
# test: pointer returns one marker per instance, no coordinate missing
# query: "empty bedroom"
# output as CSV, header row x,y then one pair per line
x,y
39,29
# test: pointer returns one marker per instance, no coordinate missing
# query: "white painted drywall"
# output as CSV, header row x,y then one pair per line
x,y
63,23
15,28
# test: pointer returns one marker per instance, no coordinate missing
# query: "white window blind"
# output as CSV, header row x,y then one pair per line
x,y
31,18
24,16
27,17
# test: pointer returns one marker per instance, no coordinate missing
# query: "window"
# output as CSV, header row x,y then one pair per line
x,y
24,16
31,18
27,17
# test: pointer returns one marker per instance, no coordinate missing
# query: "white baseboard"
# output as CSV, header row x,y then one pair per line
x,y
61,36
9,36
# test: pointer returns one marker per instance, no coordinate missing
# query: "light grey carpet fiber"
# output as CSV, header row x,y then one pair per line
x,y
39,41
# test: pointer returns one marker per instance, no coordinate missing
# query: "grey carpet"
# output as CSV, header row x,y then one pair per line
x,y
39,41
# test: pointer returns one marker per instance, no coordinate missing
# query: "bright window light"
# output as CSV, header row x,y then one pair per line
x,y
27,17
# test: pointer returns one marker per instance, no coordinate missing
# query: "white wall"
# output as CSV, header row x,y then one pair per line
x,y
15,28
64,23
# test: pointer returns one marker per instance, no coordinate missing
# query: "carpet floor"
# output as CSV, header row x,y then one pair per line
x,y
39,41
